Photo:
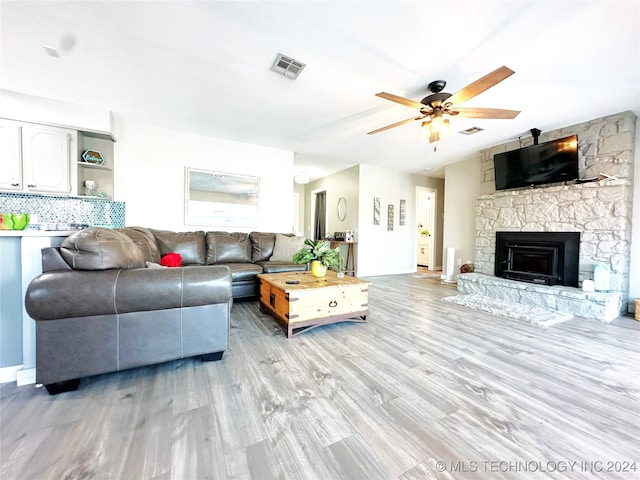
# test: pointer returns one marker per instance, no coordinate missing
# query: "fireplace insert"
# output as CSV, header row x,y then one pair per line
x,y
547,258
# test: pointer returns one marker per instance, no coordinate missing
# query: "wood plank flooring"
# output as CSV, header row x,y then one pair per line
x,y
426,389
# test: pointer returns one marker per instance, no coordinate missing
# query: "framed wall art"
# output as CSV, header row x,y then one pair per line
x,y
221,199
376,210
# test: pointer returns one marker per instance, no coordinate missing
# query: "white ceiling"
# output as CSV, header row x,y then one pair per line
x,y
204,67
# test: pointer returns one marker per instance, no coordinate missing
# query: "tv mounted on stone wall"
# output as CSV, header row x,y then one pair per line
x,y
539,164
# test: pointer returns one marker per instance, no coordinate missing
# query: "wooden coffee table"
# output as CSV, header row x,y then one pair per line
x,y
312,301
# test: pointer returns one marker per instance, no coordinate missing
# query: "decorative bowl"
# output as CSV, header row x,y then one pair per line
x,y
14,221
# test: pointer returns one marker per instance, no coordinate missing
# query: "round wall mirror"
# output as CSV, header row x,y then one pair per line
x,y
342,208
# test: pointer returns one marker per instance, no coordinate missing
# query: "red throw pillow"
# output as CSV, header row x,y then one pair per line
x,y
171,260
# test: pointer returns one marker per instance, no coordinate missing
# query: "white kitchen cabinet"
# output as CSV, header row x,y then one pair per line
x,y
38,156
10,156
46,158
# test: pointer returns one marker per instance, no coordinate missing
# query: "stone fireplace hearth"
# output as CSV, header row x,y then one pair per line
x,y
599,210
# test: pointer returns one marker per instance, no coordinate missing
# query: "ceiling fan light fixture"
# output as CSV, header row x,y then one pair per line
x,y
446,127
437,122
425,129
435,128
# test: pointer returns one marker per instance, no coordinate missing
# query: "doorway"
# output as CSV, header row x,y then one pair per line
x,y
319,214
426,199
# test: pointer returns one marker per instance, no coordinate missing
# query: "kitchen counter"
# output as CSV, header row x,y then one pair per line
x,y
21,255
36,233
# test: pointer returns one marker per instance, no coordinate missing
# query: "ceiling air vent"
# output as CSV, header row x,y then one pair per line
x,y
471,131
287,66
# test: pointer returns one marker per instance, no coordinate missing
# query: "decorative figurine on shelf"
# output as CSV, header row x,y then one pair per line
x,y
90,188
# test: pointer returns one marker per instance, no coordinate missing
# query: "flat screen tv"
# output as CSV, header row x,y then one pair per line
x,y
549,162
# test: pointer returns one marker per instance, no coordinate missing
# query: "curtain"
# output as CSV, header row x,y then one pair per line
x,y
320,228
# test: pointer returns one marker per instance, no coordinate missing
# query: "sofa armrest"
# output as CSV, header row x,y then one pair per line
x,y
85,293
52,260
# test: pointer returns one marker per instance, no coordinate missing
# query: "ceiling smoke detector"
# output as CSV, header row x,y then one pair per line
x,y
471,131
287,66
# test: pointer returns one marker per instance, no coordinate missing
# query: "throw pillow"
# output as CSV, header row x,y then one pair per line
x,y
285,247
98,248
154,265
171,259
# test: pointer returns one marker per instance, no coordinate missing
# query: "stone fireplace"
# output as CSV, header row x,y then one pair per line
x,y
600,210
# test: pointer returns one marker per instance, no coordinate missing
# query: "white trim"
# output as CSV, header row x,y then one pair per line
x,y
9,374
26,376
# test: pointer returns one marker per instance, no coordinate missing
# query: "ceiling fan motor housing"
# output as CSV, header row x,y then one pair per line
x,y
435,100
437,86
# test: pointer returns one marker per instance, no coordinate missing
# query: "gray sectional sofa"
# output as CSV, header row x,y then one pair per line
x,y
104,303
246,254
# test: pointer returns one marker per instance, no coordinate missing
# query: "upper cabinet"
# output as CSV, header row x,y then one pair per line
x,y
36,158
10,156
46,158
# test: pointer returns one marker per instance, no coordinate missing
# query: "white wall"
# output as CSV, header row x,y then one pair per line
x,y
381,252
462,186
150,175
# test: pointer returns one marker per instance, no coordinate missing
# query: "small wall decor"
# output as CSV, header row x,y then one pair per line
x,y
403,213
390,218
342,209
376,210
93,156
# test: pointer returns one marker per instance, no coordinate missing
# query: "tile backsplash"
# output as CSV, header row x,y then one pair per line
x,y
64,210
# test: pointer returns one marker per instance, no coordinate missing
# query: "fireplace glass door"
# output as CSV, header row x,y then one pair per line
x,y
541,261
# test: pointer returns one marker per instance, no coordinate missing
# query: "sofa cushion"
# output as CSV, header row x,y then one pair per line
x,y
226,247
145,240
97,248
244,271
262,244
279,267
285,246
190,245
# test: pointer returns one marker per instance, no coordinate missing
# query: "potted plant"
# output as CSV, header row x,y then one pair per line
x,y
321,256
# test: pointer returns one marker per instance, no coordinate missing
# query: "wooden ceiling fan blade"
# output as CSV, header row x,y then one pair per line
x,y
480,85
498,113
401,100
397,124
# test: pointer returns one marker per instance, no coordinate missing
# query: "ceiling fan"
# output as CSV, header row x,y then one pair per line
x,y
433,108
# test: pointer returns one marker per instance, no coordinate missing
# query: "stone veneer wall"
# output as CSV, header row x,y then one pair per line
x,y
600,210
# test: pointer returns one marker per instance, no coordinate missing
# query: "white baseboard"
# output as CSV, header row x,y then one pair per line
x,y
26,376
9,374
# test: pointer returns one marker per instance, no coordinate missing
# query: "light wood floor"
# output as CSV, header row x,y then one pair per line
x,y
423,382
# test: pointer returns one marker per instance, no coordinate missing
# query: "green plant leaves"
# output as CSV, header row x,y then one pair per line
x,y
319,250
